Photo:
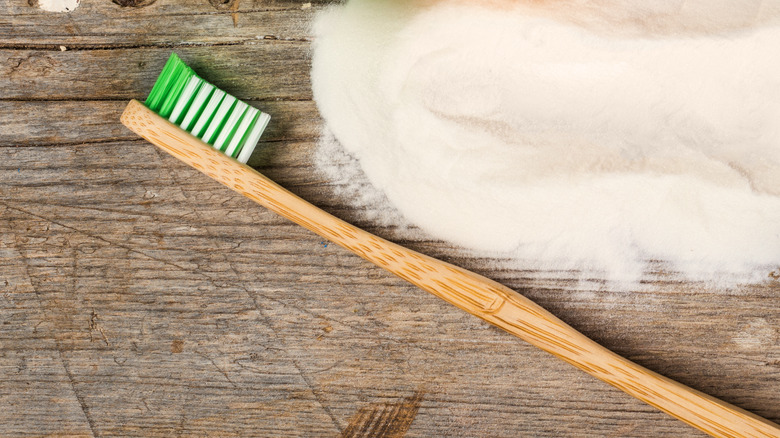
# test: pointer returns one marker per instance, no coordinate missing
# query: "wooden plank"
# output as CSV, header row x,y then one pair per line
x,y
53,122
194,228
269,70
138,298
36,385
162,23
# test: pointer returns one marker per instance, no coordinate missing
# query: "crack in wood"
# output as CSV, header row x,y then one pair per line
x,y
102,239
57,344
75,47
221,371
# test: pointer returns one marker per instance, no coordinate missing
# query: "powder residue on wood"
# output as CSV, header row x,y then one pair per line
x,y
561,145
56,5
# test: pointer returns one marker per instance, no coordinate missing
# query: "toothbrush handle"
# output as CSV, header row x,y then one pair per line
x,y
473,293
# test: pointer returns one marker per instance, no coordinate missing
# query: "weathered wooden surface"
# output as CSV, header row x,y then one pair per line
x,y
139,298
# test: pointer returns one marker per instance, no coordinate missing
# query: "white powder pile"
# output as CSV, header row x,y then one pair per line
x,y
534,137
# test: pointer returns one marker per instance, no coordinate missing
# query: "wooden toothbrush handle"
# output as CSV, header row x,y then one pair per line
x,y
473,293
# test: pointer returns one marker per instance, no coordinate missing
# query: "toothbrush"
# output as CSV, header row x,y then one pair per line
x,y
216,133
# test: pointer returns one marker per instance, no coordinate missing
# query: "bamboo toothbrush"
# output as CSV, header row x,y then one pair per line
x,y
215,133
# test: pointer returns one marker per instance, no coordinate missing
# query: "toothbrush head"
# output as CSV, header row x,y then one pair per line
x,y
203,110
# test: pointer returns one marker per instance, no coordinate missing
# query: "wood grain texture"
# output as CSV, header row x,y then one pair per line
x,y
222,318
477,295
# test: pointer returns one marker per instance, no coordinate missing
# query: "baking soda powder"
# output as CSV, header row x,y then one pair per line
x,y
544,141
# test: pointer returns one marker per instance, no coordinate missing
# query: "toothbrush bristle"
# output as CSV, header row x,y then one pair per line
x,y
203,110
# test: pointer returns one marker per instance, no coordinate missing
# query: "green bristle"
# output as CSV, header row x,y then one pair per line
x,y
207,115
182,76
247,134
185,100
219,120
231,125
196,106
171,73
237,141
253,136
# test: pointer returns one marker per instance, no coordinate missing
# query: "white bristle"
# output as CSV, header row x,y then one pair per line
x,y
235,126
197,105
208,111
246,121
185,98
229,127
254,137
224,107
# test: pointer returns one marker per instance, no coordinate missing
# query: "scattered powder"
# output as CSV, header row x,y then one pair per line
x,y
527,136
757,335
58,5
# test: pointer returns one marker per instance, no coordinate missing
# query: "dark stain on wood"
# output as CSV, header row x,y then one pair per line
x,y
384,420
223,5
228,5
177,346
134,3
